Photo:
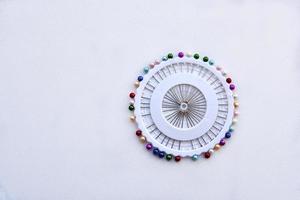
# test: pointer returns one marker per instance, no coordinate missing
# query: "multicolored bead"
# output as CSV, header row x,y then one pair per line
x,y
206,155
236,113
217,147
151,65
228,80
137,84
195,157
180,54
189,54
155,151
161,154
132,95
138,133
169,157
234,121
140,78
205,59
170,56
228,135
236,104
177,158
131,107
232,87
146,70
211,62
196,56
149,146
132,118
222,142
143,139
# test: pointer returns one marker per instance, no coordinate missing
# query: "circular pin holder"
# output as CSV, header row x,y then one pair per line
x,y
184,107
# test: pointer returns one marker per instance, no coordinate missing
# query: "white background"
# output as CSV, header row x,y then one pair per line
x,y
67,66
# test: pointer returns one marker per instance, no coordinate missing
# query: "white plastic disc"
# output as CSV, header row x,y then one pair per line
x,y
184,106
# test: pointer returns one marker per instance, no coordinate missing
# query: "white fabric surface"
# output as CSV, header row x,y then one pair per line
x,y
67,66
3,195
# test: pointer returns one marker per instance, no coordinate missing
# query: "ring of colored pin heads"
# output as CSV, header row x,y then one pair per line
x,y
155,150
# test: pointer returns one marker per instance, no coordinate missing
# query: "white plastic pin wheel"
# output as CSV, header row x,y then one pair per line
x,y
184,106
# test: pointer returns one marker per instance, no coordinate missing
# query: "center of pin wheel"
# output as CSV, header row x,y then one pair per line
x,y
183,107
